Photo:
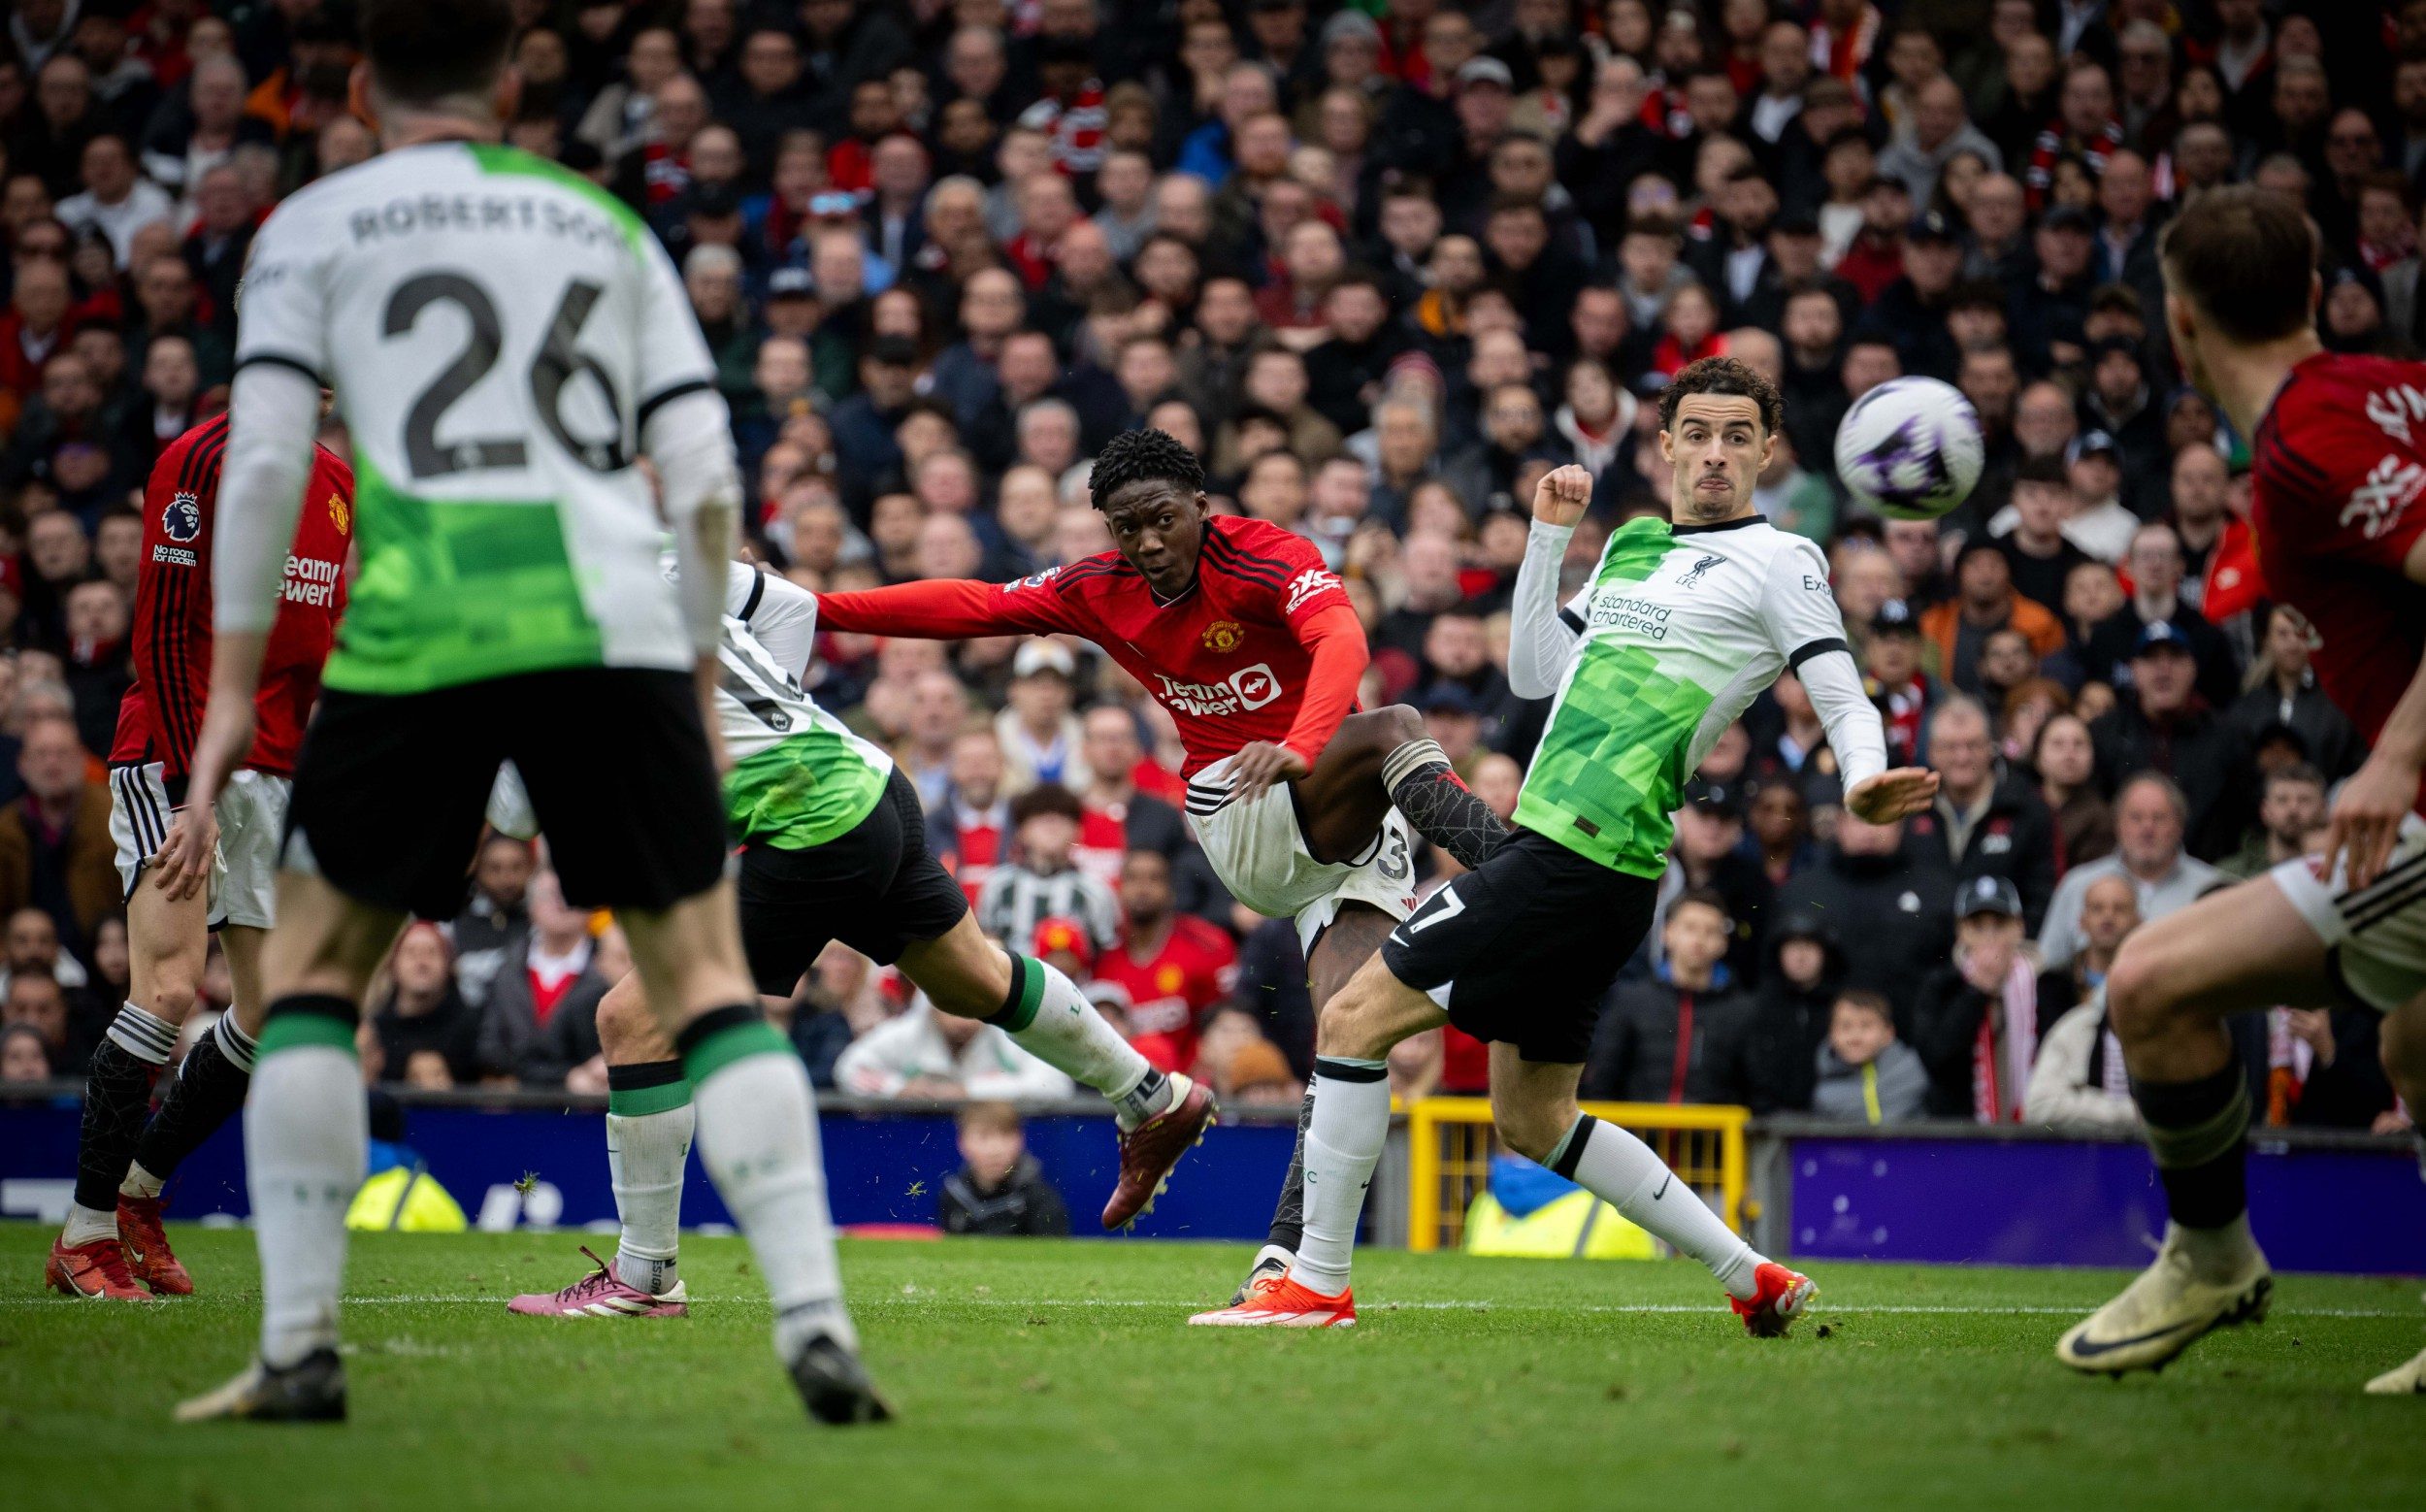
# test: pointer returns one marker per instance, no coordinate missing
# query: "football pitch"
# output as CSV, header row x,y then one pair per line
x,y
1034,1373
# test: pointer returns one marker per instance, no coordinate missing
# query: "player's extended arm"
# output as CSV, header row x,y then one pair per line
x,y
1541,643
2368,810
690,438
275,411
950,608
1807,629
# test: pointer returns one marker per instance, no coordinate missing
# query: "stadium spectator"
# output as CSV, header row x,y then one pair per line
x,y
496,916
428,1037
1792,1011
2151,818
56,853
2161,723
921,1053
1863,1074
24,1053
555,962
2286,693
1984,823
1000,1188
1171,967
2291,804
1871,886
1677,1036
1039,879
1976,1024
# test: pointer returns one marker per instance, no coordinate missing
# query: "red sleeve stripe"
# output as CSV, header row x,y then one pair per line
x,y
1224,556
1084,573
1230,543
2271,448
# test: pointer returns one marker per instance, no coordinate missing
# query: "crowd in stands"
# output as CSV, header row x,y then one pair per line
x,y
1381,263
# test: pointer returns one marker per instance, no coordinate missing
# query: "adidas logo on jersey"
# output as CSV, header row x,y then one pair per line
x,y
1306,585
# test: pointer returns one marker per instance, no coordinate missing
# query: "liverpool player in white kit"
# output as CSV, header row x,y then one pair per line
x,y
505,339
2337,448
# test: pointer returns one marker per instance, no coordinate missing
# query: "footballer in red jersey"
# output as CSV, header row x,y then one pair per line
x,y
1238,629
1173,967
113,1237
2338,510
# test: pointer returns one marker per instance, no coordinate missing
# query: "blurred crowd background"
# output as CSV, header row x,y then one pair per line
x,y
1381,264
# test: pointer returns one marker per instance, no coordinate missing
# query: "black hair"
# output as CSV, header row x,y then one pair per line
x,y
1726,375
1134,456
1045,798
422,50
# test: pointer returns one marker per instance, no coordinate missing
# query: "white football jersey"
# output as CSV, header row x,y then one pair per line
x,y
497,330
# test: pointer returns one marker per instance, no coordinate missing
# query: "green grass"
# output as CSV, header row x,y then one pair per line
x,y
1041,1374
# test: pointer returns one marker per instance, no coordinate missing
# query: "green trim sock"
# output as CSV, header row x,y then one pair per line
x,y
758,1138
649,1126
306,1137
1343,1142
1047,1016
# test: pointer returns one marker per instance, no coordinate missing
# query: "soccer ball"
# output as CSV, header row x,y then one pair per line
x,y
1909,448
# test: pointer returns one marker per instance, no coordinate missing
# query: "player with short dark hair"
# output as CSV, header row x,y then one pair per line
x,y
113,1237
1680,627
2338,455
1237,628
505,340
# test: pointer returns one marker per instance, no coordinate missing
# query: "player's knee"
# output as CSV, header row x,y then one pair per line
x,y
1349,1026
625,1021
172,989
1395,725
2138,1001
1531,1128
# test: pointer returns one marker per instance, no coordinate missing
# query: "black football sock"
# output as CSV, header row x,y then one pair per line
x,y
118,1097
2198,1132
208,1091
1287,1229
1443,809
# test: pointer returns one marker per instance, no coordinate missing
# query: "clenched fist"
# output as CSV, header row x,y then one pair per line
x,y
1562,495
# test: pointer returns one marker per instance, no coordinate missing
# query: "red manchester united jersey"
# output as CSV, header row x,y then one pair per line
x,y
1262,647
1171,991
162,713
2339,463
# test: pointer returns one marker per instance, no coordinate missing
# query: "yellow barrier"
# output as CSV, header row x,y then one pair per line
x,y
1449,1158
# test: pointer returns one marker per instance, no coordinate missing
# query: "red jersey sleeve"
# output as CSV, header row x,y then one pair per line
x,y
171,621
1045,603
1307,598
2349,493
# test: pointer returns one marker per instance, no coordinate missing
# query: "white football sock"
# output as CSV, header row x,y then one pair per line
x,y
758,1138
306,1137
140,1182
84,1224
644,1158
1052,1020
1343,1142
1616,1167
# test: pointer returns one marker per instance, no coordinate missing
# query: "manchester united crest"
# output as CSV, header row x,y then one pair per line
x,y
341,514
1224,635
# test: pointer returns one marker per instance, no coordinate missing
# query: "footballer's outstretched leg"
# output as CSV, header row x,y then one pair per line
x,y
650,1122
2168,994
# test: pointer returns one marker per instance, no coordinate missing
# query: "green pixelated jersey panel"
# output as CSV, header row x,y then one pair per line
x,y
815,787
456,591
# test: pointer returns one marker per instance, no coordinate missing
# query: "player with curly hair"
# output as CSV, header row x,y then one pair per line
x,y
1240,631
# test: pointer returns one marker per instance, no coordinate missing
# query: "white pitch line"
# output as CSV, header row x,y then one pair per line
x,y
1622,1309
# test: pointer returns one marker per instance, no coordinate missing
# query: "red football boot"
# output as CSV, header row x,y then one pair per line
x,y
1285,1304
1149,1151
149,1257
1781,1299
95,1271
